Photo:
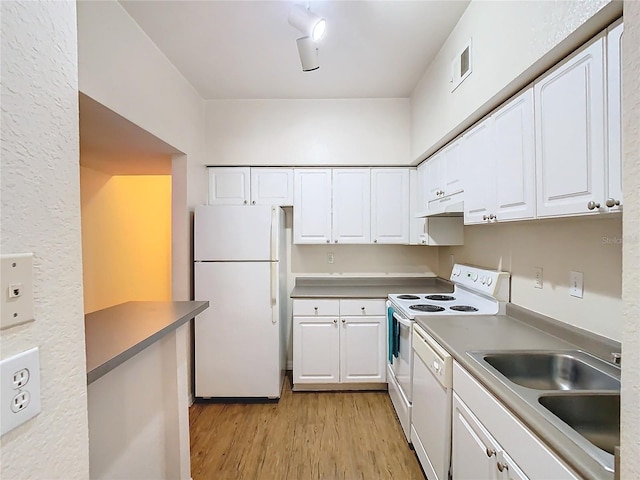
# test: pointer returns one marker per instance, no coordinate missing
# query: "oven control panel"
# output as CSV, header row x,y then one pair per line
x,y
489,282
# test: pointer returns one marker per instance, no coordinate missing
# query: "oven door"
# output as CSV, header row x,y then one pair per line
x,y
402,365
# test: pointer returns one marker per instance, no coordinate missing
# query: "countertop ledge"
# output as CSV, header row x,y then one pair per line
x,y
115,334
521,329
367,287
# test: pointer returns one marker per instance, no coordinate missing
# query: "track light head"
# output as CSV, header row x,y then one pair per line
x,y
308,54
310,24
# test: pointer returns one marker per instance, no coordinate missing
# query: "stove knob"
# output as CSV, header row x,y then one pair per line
x,y
483,280
489,281
474,277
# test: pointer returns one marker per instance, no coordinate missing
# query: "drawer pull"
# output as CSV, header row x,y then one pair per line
x,y
490,452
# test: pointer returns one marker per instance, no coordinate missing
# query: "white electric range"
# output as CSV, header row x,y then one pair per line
x,y
476,291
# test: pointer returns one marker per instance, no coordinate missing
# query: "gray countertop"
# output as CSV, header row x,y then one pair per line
x,y
115,334
366,287
460,334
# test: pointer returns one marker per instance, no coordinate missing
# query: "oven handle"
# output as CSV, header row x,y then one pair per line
x,y
402,321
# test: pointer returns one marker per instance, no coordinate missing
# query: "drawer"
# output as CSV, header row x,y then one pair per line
x,y
320,307
354,307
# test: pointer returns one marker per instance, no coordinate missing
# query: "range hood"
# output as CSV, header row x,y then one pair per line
x,y
452,206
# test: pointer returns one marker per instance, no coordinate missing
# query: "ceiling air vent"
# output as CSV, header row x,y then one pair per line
x,y
461,66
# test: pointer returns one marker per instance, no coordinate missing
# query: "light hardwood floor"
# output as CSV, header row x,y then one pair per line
x,y
305,436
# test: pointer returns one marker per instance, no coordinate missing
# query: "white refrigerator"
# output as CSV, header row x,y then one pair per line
x,y
239,267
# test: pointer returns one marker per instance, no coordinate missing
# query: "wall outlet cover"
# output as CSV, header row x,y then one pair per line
x,y
19,389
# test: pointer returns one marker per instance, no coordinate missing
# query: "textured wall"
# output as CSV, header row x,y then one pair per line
x,y
41,214
631,250
511,43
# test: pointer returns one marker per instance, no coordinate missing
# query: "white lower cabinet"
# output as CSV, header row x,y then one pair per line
x,y
475,453
339,341
488,442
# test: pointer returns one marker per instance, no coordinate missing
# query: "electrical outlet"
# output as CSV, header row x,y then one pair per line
x,y
16,294
538,277
19,389
576,280
330,257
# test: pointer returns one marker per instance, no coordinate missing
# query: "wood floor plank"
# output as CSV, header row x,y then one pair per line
x,y
305,436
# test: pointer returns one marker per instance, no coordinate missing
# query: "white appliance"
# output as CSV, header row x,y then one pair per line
x,y
476,292
240,340
432,404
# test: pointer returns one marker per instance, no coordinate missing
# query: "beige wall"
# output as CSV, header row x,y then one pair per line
x,y
41,214
126,238
630,405
589,245
512,42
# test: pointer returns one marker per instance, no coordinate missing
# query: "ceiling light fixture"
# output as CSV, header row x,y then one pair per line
x,y
307,22
308,54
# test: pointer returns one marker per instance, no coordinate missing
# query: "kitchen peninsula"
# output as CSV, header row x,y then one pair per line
x,y
137,389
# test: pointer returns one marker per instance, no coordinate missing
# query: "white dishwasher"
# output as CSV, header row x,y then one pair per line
x,y
432,403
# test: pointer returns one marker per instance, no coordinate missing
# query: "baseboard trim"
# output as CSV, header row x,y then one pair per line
x,y
334,387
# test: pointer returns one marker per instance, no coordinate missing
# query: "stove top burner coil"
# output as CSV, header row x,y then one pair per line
x,y
408,297
464,308
426,308
440,298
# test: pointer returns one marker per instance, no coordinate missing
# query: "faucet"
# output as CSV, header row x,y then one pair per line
x,y
616,358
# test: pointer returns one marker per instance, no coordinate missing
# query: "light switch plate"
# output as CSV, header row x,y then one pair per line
x,y
16,296
538,277
576,284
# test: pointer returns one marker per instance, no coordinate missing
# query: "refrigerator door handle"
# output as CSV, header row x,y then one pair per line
x,y
274,292
274,232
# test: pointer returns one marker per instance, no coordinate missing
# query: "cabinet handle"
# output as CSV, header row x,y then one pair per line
x,y
335,241
593,205
492,217
335,320
362,308
344,321
424,241
612,202
375,241
484,217
253,203
245,202
502,466
327,241
490,452
315,308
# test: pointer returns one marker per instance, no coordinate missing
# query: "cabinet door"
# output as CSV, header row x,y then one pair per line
x,y
351,205
614,102
570,127
390,205
363,349
514,151
316,350
434,177
272,186
479,196
452,169
312,206
473,454
229,185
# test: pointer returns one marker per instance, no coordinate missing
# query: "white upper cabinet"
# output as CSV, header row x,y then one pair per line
x,y
500,165
443,175
613,200
514,152
570,135
390,205
480,195
250,186
312,205
229,185
351,205
271,186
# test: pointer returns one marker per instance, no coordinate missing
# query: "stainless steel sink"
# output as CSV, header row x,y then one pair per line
x,y
595,416
576,392
552,370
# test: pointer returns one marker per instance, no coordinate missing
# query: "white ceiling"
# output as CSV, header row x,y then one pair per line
x,y
247,49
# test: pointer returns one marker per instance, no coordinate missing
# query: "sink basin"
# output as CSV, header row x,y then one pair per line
x,y
552,370
594,416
